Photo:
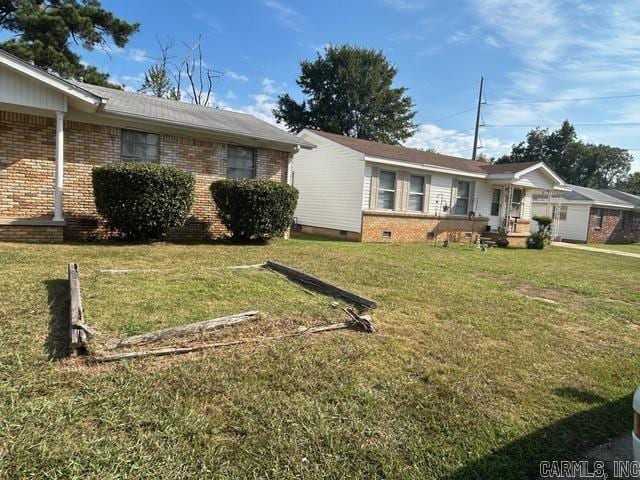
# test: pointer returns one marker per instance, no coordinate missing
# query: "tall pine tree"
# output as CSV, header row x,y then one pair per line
x,y
46,30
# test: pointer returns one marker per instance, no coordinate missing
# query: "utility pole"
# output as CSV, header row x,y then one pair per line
x,y
475,137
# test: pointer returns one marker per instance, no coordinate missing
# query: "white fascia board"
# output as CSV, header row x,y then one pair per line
x,y
420,166
52,81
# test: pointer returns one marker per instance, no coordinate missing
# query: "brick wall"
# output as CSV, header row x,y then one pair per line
x,y
611,231
27,167
415,227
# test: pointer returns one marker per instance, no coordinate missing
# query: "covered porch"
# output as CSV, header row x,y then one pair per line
x,y
511,207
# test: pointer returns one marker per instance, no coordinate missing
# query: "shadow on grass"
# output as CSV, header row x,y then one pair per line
x,y
567,439
57,342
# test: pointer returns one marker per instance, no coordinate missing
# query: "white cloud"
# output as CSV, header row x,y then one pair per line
x,y
451,142
230,95
137,55
235,76
268,86
284,15
406,5
491,41
459,37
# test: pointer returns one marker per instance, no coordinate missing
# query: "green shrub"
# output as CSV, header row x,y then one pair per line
x,y
143,201
538,239
254,209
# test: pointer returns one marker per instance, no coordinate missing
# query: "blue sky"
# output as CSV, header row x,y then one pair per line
x,y
526,49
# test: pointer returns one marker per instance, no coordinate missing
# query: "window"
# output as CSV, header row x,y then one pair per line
x,y
139,147
386,235
386,189
620,220
516,202
241,162
597,218
636,221
416,193
462,198
563,211
495,202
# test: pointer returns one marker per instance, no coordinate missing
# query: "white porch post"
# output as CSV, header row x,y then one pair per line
x,y
58,214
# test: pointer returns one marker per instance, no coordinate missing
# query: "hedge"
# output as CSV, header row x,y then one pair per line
x,y
254,209
143,201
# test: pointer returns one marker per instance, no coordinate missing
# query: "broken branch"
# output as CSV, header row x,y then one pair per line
x,y
199,327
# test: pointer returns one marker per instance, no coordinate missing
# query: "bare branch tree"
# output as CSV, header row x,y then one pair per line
x,y
201,78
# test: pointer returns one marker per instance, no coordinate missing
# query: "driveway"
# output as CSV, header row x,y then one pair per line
x,y
593,249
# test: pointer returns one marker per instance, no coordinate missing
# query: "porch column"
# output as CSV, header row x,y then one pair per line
x,y
58,214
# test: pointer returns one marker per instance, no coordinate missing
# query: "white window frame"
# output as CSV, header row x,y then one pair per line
x,y
635,222
252,171
598,214
134,141
564,209
385,190
422,194
495,202
518,209
458,198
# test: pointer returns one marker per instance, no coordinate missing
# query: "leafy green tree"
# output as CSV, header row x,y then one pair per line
x,y
631,184
578,163
46,30
349,91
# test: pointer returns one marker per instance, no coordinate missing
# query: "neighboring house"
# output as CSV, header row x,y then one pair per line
x,y
373,192
594,216
53,132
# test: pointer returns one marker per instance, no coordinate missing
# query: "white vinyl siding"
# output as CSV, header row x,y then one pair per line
x,y
440,193
330,179
573,228
536,179
366,188
18,89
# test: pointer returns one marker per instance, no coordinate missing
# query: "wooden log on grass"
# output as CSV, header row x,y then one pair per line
x,y
160,352
192,328
77,330
313,282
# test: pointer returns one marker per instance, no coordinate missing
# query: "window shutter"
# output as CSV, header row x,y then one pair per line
x,y
427,193
402,193
373,196
454,195
472,194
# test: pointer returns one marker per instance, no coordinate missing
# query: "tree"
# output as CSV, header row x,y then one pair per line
x,y
578,163
349,91
46,30
164,78
631,184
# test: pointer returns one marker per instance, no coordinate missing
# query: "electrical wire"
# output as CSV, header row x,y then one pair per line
x,y
522,102
532,125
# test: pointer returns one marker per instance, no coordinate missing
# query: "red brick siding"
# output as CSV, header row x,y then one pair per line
x,y
27,167
414,228
28,233
611,231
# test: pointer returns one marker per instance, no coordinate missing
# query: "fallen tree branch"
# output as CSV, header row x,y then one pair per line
x,y
116,271
180,350
192,328
363,321
77,329
313,282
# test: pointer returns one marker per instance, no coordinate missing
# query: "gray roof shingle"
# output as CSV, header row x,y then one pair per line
x,y
188,115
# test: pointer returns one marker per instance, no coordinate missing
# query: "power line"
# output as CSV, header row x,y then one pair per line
x,y
532,125
520,102
452,115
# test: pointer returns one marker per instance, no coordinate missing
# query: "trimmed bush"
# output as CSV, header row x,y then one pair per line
x,y
254,209
538,239
143,201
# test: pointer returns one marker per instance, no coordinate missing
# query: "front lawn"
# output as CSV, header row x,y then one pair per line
x,y
483,363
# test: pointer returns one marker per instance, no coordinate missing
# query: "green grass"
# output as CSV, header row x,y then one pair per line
x,y
470,375
623,247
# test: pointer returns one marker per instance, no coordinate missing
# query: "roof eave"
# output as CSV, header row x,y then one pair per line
x,y
204,129
424,166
